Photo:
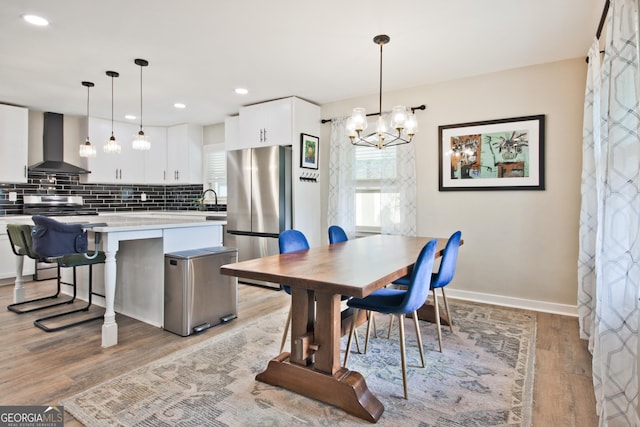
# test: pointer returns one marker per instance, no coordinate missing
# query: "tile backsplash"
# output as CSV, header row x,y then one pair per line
x,y
103,197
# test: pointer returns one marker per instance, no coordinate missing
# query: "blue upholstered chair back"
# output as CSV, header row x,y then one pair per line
x,y
448,263
291,241
418,290
337,234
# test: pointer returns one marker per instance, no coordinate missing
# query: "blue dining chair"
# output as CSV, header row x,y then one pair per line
x,y
290,241
400,302
337,234
442,278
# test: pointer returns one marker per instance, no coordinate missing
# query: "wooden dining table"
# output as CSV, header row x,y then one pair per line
x,y
318,277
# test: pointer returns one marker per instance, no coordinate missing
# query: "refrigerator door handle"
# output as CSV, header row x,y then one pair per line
x,y
253,233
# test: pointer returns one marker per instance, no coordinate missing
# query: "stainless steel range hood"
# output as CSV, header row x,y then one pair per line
x,y
53,148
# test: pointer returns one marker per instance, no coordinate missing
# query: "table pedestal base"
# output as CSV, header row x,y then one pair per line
x,y
345,389
427,312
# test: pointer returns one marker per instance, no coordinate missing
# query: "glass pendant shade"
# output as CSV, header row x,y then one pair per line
x,y
112,146
140,142
86,149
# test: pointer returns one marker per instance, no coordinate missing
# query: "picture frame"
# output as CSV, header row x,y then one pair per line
x,y
309,151
505,154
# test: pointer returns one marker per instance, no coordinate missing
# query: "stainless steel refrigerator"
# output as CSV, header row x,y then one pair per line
x,y
258,201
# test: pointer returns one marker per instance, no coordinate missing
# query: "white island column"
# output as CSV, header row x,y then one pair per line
x,y
110,327
18,290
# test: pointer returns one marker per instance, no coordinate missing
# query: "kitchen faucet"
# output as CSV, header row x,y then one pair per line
x,y
215,195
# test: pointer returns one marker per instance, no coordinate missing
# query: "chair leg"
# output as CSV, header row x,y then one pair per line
x,y
357,340
419,336
390,325
14,307
286,330
446,307
351,332
437,313
366,339
39,324
402,356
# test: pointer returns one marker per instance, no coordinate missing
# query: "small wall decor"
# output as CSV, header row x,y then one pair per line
x,y
505,154
309,151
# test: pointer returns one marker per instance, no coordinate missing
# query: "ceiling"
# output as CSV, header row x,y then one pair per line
x,y
199,51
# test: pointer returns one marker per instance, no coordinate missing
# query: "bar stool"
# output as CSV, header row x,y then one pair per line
x,y
67,245
21,245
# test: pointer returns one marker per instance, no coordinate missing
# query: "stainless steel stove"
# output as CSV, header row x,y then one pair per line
x,y
55,205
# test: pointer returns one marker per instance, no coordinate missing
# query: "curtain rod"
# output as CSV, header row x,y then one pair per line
x,y
413,110
603,18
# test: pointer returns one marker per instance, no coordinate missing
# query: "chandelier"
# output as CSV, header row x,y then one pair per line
x,y
112,145
401,128
140,141
87,149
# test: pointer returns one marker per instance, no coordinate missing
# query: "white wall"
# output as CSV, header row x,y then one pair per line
x,y
520,247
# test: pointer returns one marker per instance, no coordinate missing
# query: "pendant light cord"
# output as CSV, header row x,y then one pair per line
x,y
141,98
112,106
380,97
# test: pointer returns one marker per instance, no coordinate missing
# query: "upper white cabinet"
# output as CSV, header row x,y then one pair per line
x,y
127,167
232,133
155,160
175,156
184,154
268,123
14,143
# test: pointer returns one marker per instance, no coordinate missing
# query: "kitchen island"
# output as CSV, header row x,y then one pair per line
x,y
135,245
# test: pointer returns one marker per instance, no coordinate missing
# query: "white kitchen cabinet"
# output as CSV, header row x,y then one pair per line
x,y
267,123
14,143
155,160
184,154
127,167
232,139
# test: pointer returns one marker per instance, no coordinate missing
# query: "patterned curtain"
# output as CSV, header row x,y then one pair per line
x,y
609,310
342,179
398,196
398,192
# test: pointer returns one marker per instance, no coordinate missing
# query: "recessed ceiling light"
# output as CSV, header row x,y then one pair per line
x,y
130,117
179,105
35,20
241,91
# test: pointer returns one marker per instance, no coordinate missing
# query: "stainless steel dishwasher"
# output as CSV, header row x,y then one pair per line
x,y
196,295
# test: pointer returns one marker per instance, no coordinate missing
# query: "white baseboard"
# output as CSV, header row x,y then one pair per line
x,y
543,306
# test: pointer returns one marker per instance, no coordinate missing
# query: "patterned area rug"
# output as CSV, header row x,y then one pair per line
x,y
484,377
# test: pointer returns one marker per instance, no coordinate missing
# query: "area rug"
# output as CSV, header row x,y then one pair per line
x,y
483,377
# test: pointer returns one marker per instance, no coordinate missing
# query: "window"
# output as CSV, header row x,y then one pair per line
x,y
372,166
215,171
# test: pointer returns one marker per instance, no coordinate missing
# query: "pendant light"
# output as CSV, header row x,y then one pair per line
x,y
403,122
140,142
112,145
87,149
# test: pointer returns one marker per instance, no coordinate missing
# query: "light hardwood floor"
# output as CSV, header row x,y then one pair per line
x,y
38,368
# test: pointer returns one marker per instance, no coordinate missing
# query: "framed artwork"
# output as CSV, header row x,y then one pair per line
x,y
309,150
506,154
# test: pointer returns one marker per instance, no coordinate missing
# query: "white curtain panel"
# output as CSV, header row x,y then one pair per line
x,y
398,196
342,179
589,206
609,314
